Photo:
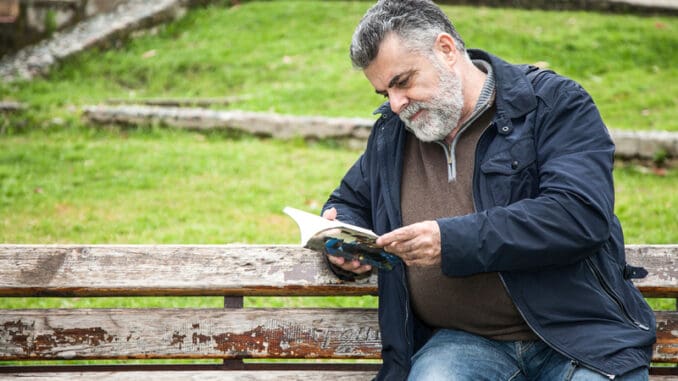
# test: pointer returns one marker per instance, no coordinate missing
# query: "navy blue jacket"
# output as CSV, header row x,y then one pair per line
x,y
544,198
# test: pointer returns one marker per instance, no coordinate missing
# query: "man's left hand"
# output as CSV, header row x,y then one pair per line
x,y
417,244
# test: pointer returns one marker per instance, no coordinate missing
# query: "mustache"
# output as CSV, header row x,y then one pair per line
x,y
410,110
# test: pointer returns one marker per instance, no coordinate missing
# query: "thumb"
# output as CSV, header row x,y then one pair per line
x,y
330,214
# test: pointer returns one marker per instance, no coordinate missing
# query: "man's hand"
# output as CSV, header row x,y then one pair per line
x,y
353,266
417,244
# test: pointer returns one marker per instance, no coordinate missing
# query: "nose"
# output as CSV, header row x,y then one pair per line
x,y
398,100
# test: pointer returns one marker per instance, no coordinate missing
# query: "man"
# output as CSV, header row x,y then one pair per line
x,y
493,184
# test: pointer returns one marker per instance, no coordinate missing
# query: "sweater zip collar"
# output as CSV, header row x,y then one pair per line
x,y
485,101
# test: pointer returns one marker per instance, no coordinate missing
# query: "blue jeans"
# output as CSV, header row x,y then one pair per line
x,y
458,355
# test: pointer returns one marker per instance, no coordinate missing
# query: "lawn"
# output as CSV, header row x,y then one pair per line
x,y
291,57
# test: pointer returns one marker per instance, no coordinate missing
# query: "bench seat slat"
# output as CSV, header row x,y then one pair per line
x,y
203,376
178,270
188,333
215,376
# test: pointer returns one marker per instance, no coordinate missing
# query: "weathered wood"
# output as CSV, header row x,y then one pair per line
x,y
661,262
142,270
203,376
213,333
188,333
139,270
309,365
215,376
230,334
666,349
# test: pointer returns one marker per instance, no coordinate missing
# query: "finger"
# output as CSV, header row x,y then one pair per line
x,y
338,261
356,267
363,269
401,247
407,249
348,265
402,234
330,214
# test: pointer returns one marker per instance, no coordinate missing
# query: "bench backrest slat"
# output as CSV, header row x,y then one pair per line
x,y
661,262
142,270
215,333
188,333
666,348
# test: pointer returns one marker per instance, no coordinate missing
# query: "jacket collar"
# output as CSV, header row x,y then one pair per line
x,y
515,95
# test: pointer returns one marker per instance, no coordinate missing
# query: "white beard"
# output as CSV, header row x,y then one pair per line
x,y
441,113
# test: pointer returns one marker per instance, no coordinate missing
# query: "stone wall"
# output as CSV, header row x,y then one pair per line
x,y
643,145
101,29
38,19
656,7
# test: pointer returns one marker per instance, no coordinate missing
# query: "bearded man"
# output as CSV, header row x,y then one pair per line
x,y
493,183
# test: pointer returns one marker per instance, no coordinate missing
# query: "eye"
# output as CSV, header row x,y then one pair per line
x,y
404,83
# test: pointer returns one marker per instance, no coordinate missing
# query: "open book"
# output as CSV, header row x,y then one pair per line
x,y
340,239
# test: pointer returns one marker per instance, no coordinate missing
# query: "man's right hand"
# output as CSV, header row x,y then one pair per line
x,y
353,266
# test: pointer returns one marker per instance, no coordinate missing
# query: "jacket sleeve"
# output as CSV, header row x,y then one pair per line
x,y
352,201
571,215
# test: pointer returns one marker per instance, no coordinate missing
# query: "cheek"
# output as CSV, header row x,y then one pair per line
x,y
424,91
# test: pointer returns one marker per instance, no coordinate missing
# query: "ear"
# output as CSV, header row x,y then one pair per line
x,y
447,48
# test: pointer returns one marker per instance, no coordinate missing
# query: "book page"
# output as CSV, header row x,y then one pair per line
x,y
314,229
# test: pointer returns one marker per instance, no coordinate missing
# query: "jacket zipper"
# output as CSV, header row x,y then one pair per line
x,y
613,295
407,306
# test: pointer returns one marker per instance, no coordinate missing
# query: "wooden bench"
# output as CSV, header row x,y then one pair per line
x,y
226,335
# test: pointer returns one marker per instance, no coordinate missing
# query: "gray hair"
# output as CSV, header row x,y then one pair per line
x,y
417,22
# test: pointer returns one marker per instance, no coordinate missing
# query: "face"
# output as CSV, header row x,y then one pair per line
x,y
423,91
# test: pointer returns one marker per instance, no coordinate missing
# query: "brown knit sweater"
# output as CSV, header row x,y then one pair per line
x,y
479,303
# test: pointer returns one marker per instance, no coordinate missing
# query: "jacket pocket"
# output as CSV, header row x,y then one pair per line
x,y
512,174
616,299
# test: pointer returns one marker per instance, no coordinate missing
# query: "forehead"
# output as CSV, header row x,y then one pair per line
x,y
393,58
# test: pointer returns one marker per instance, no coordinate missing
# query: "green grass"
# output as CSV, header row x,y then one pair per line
x,y
166,186
291,57
159,187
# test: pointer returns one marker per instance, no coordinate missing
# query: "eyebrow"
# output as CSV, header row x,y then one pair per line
x,y
397,79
